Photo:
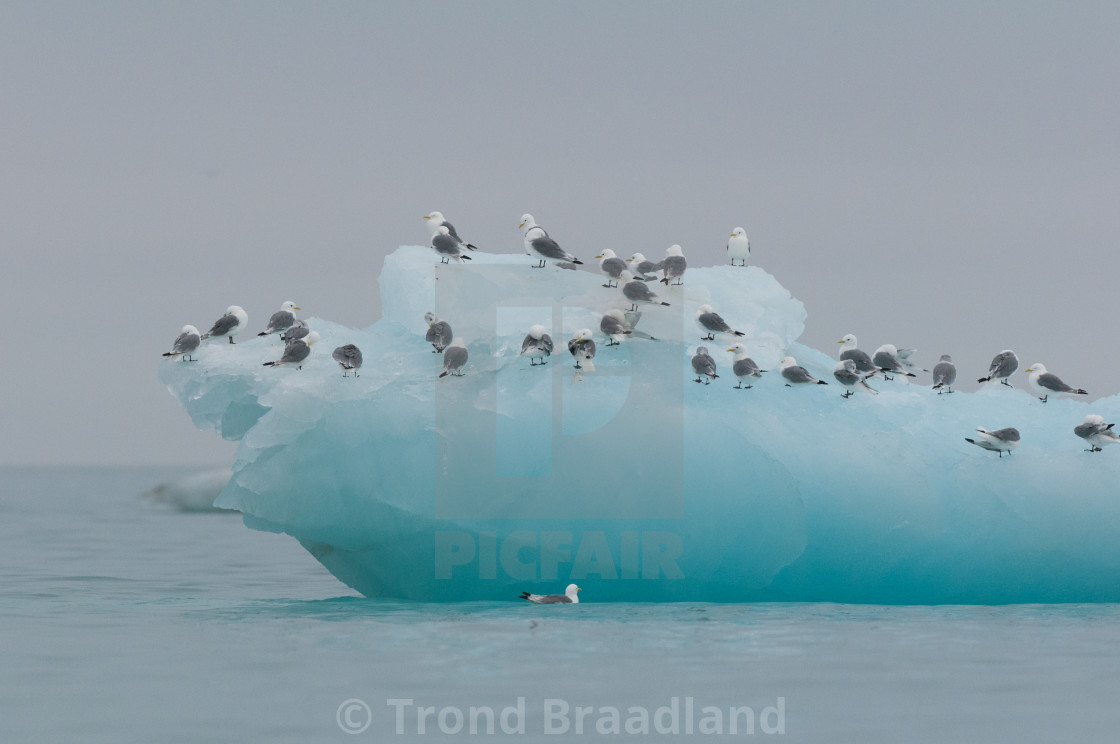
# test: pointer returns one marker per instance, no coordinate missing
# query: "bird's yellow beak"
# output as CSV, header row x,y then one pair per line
x,y
522,225
731,350
578,589
297,307
840,341
732,234
599,256
629,260
427,216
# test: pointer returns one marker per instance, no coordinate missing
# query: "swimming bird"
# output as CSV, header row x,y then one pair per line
x,y
187,341
349,357
743,366
296,352
637,291
282,319
846,374
711,323
614,326
570,596
1000,440
537,344
435,221
673,266
643,268
439,333
612,267
944,374
738,247
229,325
582,348
850,350
1096,432
1046,383
539,245
795,375
454,359
886,359
447,247
704,366
1003,366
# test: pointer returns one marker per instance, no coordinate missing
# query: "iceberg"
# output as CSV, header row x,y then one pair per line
x,y
634,481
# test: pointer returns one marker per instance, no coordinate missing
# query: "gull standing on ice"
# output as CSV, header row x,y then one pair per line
x,y
1003,366
738,247
296,331
1096,432
704,366
439,333
1046,383
295,352
944,374
570,596
846,374
886,359
612,267
795,375
582,347
614,327
711,323
229,325
850,350
447,247
537,344
743,366
436,221
282,319
187,341
1000,440
637,291
673,266
540,246
454,359
349,357
643,268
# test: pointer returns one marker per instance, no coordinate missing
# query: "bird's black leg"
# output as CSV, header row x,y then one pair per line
x,y
577,366
846,395
230,339
1005,382
888,379
1043,398
739,386
697,379
707,382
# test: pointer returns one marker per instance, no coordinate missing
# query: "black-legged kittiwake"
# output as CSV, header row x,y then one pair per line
x,y
944,375
637,292
795,375
1096,432
614,326
349,357
186,342
642,268
886,359
847,375
570,596
538,344
743,366
704,366
282,319
539,245
296,352
711,323
612,267
582,348
448,247
435,221
738,247
674,265
297,330
851,350
232,322
454,359
1046,383
439,333
1003,366
1000,440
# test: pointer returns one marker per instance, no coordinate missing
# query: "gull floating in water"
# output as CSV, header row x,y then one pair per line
x,y
570,596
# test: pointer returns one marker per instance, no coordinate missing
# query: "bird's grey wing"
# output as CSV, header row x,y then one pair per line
x,y
1004,365
1087,430
611,326
860,357
545,343
280,320
443,332
944,373
451,231
613,267
186,342
588,348
884,360
636,291
713,322
674,265
1053,382
222,325
549,248
704,364
573,346
745,367
445,245
797,374
1010,434
528,343
295,332
348,355
847,377
552,599
294,353
454,357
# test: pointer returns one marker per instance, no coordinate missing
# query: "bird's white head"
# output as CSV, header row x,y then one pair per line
x,y
788,362
626,276
701,351
849,341
738,349
705,308
636,258
431,319
189,329
607,253
617,315
538,332
889,349
311,338
584,333
847,364
443,230
1038,367
527,221
436,217
290,306
1093,418
458,341
739,232
673,250
571,591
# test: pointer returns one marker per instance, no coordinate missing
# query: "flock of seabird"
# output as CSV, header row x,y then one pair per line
x,y
632,277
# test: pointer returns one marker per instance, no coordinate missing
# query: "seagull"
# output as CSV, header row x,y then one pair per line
x,y
711,323
864,365
1003,366
282,319
187,341
743,366
642,268
570,596
582,347
1096,432
795,375
612,267
886,359
1046,384
739,247
537,344
229,325
296,331
846,374
1000,440
944,374
637,291
439,333
447,247
295,352
904,359
614,327
436,221
349,357
704,366
673,266
454,359
542,247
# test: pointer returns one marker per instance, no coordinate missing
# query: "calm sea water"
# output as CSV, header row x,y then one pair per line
x,y
124,621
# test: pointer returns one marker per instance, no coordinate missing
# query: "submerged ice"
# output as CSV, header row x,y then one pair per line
x,y
632,480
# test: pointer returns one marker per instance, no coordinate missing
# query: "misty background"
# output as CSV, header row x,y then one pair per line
x,y
944,175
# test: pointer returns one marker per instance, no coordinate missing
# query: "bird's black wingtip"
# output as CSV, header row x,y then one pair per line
x,y
821,382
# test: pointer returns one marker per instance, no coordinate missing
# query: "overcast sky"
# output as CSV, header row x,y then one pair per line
x,y
938,175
